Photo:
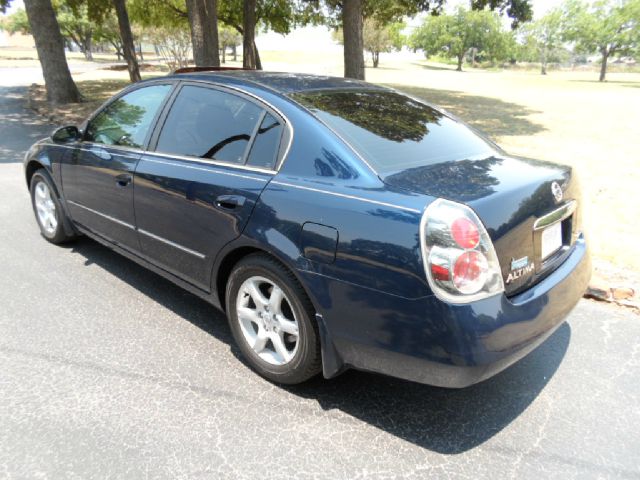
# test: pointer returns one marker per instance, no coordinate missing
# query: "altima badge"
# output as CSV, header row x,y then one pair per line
x,y
556,189
520,268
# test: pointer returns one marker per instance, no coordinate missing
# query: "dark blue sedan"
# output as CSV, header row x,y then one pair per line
x,y
338,224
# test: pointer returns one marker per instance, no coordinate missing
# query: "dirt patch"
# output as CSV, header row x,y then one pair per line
x,y
144,67
94,94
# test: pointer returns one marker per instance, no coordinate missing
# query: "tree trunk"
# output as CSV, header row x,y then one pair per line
x,y
248,37
140,51
257,56
118,49
50,46
543,63
375,56
353,43
235,53
603,66
203,22
128,47
88,46
460,59
224,53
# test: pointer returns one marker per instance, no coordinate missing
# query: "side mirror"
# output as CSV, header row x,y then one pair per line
x,y
69,133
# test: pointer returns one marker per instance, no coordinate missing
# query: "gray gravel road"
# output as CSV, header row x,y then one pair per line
x,y
109,371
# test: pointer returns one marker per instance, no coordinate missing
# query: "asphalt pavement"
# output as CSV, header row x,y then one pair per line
x,y
109,371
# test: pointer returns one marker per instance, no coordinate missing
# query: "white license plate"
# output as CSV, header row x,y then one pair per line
x,y
551,239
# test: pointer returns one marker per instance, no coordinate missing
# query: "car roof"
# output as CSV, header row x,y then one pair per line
x,y
280,82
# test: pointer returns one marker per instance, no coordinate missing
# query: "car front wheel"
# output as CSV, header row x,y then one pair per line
x,y
271,319
47,208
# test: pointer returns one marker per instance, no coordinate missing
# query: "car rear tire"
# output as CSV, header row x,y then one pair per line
x,y
47,208
272,320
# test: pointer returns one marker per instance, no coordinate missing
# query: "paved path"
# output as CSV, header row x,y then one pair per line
x,y
19,128
107,370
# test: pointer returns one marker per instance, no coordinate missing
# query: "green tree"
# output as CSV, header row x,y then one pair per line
x,y
75,25
280,16
17,22
229,38
456,34
350,14
249,50
609,28
544,38
98,12
203,22
128,47
519,11
107,31
378,38
50,46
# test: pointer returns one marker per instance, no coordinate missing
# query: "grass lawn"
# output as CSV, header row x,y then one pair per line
x,y
566,117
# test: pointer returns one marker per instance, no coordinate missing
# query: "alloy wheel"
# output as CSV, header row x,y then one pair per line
x,y
46,208
267,321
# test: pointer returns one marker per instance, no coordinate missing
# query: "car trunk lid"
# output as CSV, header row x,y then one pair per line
x,y
528,207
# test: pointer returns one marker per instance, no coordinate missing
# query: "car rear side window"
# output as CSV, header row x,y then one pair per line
x,y
208,123
126,121
264,150
391,131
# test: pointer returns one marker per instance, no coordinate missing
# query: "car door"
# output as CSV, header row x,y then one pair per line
x,y
97,176
214,152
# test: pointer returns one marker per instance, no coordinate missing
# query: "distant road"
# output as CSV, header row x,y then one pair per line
x,y
21,76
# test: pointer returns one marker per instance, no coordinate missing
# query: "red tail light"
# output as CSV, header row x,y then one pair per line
x,y
440,273
465,233
460,261
470,272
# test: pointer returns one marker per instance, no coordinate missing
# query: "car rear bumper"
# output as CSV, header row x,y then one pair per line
x,y
429,341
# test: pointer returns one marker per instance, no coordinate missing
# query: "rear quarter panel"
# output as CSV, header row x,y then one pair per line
x,y
324,182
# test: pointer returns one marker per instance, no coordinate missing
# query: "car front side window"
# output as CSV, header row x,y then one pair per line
x,y
127,120
208,123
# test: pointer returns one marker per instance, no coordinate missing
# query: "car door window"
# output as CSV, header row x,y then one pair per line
x,y
127,120
265,147
209,123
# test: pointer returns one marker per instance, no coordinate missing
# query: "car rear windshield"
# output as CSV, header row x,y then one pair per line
x,y
391,131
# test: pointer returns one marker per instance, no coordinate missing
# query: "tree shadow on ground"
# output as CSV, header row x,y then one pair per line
x,y
380,66
23,122
94,93
19,127
451,68
494,117
441,420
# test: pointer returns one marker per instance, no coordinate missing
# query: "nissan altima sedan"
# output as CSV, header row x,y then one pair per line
x,y
339,224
